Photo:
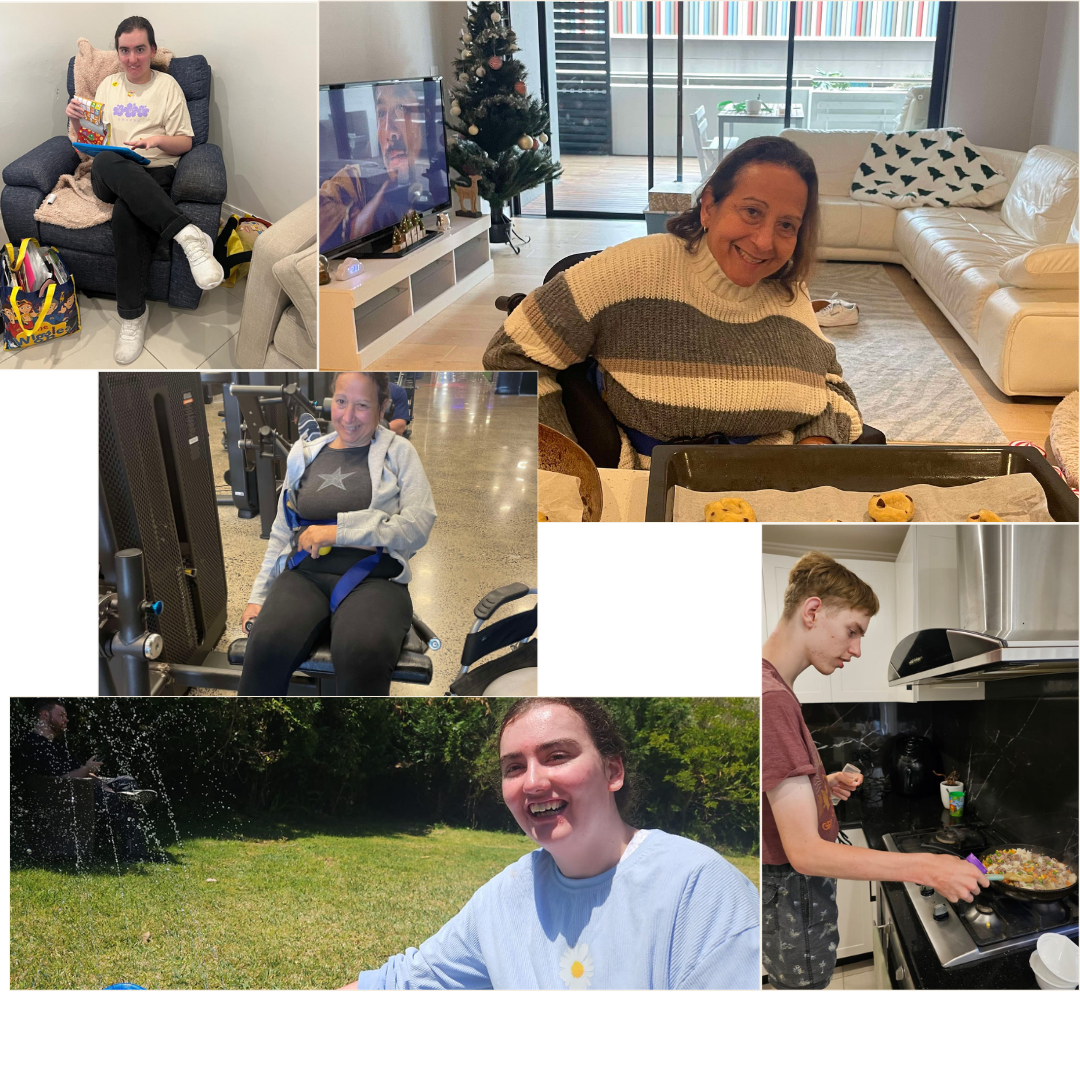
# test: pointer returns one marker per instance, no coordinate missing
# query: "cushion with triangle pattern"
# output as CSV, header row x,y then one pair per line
x,y
936,167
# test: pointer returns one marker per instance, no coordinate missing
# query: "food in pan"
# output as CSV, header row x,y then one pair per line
x,y
1028,870
891,506
730,510
983,515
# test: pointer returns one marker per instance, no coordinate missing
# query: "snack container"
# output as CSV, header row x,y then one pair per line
x,y
956,804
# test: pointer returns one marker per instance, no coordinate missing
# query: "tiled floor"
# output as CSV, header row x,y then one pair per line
x,y
456,338
858,975
176,339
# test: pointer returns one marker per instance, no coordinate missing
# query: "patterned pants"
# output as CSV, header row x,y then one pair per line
x,y
799,932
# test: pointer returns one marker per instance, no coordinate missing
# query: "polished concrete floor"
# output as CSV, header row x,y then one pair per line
x,y
478,449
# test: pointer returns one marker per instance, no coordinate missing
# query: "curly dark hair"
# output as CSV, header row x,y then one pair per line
x,y
605,736
772,150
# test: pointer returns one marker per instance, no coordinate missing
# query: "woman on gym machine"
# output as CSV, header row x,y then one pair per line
x,y
355,507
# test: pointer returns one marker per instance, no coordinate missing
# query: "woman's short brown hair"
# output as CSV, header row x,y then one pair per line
x,y
603,731
772,150
379,378
817,574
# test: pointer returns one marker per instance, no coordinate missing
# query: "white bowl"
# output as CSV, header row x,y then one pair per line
x,y
1060,957
1043,977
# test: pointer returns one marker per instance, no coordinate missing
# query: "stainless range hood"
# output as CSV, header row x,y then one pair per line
x,y
1018,610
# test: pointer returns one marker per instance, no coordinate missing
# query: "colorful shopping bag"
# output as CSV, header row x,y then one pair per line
x,y
47,310
234,243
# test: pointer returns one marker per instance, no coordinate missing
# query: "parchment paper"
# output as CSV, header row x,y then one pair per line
x,y
1018,497
559,496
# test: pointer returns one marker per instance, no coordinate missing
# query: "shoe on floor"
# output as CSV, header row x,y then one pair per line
x,y
129,342
836,312
199,249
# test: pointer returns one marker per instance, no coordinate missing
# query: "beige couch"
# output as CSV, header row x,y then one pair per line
x,y
279,321
1005,277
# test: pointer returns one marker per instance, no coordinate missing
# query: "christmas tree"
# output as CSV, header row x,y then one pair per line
x,y
497,131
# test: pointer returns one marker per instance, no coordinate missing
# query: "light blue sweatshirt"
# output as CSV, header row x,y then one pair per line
x,y
399,518
671,915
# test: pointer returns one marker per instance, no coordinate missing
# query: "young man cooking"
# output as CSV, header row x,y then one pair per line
x,y
827,611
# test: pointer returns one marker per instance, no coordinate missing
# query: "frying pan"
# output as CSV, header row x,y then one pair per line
x,y
556,453
1009,888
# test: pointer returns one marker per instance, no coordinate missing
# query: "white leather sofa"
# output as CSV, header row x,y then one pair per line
x,y
1005,277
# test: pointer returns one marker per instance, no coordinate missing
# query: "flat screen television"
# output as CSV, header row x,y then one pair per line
x,y
382,153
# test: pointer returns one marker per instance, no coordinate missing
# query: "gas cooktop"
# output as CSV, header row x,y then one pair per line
x,y
961,933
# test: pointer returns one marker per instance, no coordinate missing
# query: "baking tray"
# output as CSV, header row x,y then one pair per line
x,y
850,468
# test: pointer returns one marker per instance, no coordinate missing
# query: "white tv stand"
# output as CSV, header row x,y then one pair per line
x,y
366,316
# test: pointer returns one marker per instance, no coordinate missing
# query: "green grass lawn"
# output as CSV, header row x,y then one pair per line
x,y
294,908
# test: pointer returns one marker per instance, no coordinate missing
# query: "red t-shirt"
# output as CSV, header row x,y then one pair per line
x,y
787,749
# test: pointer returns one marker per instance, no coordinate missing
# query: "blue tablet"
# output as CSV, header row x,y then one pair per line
x,y
90,148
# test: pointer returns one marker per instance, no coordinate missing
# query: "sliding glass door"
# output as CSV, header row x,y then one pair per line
x,y
642,94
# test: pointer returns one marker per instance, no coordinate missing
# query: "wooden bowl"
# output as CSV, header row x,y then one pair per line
x,y
556,453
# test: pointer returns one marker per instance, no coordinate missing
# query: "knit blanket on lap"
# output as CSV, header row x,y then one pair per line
x,y
683,352
76,206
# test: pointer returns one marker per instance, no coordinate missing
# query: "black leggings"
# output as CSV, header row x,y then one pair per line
x,y
366,633
143,215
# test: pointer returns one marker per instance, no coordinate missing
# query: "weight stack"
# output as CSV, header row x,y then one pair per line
x,y
157,482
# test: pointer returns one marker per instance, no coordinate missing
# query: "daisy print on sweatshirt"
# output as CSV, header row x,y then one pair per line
x,y
576,967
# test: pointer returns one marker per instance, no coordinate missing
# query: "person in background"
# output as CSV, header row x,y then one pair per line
x,y
827,611
398,416
43,752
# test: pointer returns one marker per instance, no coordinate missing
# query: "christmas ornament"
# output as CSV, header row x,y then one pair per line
x,y
480,70
525,142
495,63
473,129
536,144
542,137
466,37
520,87
496,17
465,54
455,109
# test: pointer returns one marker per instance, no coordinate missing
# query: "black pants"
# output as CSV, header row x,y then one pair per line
x,y
799,928
143,215
366,633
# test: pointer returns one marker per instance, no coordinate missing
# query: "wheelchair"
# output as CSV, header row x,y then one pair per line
x,y
594,427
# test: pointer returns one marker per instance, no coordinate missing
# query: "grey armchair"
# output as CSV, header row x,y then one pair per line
x,y
198,191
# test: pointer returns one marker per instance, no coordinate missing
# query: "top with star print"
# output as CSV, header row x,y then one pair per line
x,y
335,482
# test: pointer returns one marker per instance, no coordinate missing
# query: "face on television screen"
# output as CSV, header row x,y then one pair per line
x,y
381,155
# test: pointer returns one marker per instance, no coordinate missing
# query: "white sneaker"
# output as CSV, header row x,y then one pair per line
x,y
129,342
199,249
836,312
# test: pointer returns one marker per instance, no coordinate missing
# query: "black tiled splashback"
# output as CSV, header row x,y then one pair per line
x,y
1016,754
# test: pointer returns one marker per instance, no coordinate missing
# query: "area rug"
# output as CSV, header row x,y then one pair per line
x,y
904,384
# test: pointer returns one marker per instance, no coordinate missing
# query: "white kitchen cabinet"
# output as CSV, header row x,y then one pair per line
x,y
864,679
928,597
855,910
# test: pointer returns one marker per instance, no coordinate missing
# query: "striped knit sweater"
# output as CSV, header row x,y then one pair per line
x,y
683,351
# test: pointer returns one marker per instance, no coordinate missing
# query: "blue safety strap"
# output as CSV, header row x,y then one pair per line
x,y
351,578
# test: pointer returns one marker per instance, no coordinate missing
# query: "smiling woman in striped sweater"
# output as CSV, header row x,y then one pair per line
x,y
705,331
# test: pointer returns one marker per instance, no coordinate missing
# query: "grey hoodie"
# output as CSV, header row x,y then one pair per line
x,y
399,518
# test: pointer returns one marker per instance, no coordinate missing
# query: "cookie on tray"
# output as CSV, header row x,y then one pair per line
x,y
983,515
541,516
891,506
730,510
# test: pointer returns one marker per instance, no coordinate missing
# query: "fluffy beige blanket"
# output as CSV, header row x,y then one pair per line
x,y
76,206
